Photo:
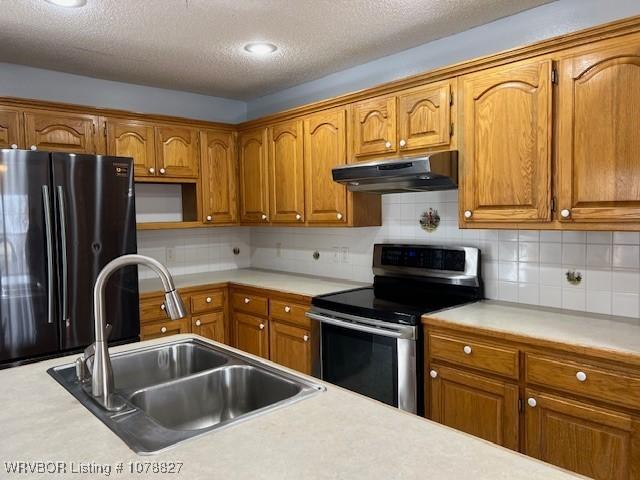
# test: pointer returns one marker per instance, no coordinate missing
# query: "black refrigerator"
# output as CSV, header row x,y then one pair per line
x,y
63,217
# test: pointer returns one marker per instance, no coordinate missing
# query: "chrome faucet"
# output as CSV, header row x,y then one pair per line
x,y
102,384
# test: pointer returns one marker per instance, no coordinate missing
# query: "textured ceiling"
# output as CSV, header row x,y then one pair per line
x,y
196,45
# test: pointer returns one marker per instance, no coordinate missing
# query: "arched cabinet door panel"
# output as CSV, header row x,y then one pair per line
x,y
10,128
507,143
177,152
374,126
135,139
60,132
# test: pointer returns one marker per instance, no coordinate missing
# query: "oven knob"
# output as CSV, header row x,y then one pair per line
x,y
305,338
433,374
467,350
287,309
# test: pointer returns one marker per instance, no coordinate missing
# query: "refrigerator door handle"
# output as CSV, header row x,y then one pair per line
x,y
63,257
49,238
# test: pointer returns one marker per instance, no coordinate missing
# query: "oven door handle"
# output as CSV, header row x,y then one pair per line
x,y
402,332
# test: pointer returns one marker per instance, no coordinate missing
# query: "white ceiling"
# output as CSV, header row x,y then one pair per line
x,y
196,45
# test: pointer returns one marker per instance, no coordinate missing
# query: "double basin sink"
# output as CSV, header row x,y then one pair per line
x,y
183,389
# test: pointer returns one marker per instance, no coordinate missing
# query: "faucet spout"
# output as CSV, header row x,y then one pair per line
x,y
102,384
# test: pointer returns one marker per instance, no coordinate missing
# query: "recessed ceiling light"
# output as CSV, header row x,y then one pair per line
x,y
68,3
260,48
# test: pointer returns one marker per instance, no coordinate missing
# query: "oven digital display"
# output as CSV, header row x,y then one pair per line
x,y
431,258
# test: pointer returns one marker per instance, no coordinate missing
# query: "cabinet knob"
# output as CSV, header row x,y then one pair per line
x,y
209,218
14,146
305,338
163,330
262,326
247,299
581,376
403,143
467,350
287,309
208,300
162,171
264,217
565,213
433,374
339,216
298,216
198,323
468,214
532,402
152,170
33,147
387,144
163,307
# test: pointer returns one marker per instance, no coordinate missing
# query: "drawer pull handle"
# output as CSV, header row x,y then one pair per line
x,y
581,376
305,338
198,323
163,330
247,299
152,170
468,214
287,309
162,171
467,350
433,374
208,300
532,402
209,218
14,146
403,142
387,144
262,326
339,216
163,307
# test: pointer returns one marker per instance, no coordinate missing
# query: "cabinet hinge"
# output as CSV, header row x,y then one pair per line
x,y
553,204
520,405
451,98
451,130
93,125
104,130
554,76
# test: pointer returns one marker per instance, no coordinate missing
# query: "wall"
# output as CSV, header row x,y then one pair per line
x,y
518,266
37,83
542,22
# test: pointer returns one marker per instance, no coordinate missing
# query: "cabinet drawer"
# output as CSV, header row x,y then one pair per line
x,y
496,359
165,329
153,309
584,379
205,302
245,302
289,312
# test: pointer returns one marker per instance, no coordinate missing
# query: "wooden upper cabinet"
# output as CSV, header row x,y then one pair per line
x,y
507,143
135,139
480,406
177,153
10,128
290,346
253,178
598,141
286,172
593,441
60,132
325,147
424,117
374,126
219,176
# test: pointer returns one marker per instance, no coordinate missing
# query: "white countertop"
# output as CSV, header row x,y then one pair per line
x,y
603,332
251,277
333,435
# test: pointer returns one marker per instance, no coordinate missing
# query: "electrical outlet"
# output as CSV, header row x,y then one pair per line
x,y
335,258
344,254
279,249
171,255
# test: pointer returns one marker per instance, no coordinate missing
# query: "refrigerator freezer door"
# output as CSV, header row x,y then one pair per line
x,y
28,326
95,213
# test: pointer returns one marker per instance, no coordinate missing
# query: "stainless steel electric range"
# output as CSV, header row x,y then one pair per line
x,y
370,339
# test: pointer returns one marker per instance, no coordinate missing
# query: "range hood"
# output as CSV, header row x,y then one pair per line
x,y
435,171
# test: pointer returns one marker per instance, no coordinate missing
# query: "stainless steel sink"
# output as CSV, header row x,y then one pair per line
x,y
184,389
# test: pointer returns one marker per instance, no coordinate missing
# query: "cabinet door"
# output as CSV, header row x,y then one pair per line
x,y
290,346
60,132
374,126
324,148
135,139
254,183
596,442
507,144
476,405
251,334
210,325
286,172
424,117
598,141
219,177
10,128
177,151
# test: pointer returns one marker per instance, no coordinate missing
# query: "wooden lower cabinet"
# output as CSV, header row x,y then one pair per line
x,y
251,334
209,325
152,330
597,442
290,346
474,404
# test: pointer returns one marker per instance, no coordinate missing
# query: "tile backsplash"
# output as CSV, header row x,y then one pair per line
x,y
518,266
